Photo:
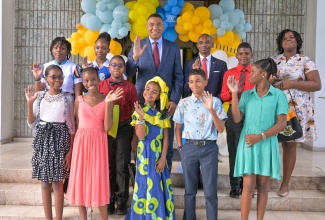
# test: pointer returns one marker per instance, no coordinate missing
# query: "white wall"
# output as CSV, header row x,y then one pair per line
x,y
7,12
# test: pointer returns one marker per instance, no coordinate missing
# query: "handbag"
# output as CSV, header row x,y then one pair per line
x,y
132,170
293,130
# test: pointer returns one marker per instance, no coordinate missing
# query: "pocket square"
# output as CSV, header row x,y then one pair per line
x,y
216,71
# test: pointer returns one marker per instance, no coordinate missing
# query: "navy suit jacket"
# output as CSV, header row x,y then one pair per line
x,y
217,71
170,69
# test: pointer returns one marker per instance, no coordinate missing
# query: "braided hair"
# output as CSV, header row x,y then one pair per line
x,y
104,36
267,65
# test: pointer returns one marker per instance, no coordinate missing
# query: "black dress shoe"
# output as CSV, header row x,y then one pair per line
x,y
121,208
235,193
111,208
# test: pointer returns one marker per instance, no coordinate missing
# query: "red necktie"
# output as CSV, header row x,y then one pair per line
x,y
156,54
241,83
204,66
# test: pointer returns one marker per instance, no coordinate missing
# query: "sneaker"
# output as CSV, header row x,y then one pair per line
x,y
121,208
235,193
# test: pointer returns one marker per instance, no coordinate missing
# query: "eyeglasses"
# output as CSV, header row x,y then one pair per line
x,y
57,77
119,65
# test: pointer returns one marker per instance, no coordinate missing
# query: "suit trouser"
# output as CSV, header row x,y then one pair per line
x,y
119,157
233,133
206,157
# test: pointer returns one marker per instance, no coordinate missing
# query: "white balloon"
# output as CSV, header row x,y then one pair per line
x,y
222,143
232,62
221,55
124,57
109,56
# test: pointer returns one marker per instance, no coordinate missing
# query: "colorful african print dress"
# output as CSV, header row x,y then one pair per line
x,y
153,194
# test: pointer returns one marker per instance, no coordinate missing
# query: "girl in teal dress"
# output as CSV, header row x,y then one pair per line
x,y
264,108
153,194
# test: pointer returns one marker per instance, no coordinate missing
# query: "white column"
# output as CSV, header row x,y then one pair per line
x,y
7,15
314,47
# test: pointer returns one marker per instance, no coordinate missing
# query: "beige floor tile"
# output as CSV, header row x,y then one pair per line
x,y
10,210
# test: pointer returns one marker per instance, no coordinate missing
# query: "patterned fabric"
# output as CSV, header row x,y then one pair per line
x,y
296,68
198,120
261,113
153,194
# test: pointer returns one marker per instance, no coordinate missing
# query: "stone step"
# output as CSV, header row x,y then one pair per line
x,y
13,212
296,183
298,200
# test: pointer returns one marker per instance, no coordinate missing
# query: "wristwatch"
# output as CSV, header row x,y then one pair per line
x,y
263,135
179,148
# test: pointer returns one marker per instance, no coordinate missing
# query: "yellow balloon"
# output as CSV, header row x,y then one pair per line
x,y
112,45
187,7
75,36
151,8
69,39
78,26
187,26
90,37
207,23
82,30
183,37
202,12
132,35
206,31
179,29
142,20
117,49
213,30
74,47
129,5
226,39
193,36
180,20
82,42
195,19
136,5
133,15
140,30
90,53
237,38
187,16
142,10
199,28
154,2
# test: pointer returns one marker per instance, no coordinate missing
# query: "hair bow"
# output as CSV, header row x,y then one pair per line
x,y
163,91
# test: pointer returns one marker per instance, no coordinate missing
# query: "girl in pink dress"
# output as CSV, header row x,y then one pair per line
x,y
89,176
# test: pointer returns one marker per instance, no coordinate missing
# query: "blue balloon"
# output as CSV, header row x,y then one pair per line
x,y
224,17
216,23
105,28
113,32
106,16
167,8
121,13
165,25
93,23
221,32
159,10
225,25
242,35
247,27
106,1
123,31
240,13
101,6
170,34
127,26
88,6
176,10
215,11
233,17
180,3
84,19
170,19
239,28
227,5
162,16
242,21
230,27
119,2
172,3
111,5
116,24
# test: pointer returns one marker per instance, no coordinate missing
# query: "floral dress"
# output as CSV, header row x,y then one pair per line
x,y
153,194
296,68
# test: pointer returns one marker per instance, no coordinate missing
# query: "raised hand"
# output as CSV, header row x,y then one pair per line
x,y
232,84
138,109
114,95
196,64
37,71
84,62
137,49
30,94
208,100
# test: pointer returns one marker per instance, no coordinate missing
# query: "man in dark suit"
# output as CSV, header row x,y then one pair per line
x,y
215,68
156,56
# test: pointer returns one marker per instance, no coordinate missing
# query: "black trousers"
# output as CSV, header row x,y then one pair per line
x,y
119,152
233,133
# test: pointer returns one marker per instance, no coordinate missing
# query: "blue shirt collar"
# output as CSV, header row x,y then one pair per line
x,y
159,41
63,62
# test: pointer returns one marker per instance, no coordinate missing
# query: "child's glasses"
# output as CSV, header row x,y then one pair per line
x,y
119,65
57,77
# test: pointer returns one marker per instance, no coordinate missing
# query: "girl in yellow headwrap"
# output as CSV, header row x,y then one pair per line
x,y
153,194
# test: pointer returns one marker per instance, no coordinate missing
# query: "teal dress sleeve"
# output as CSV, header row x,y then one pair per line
x,y
282,105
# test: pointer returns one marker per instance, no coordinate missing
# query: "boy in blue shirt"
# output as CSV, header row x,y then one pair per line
x,y
202,116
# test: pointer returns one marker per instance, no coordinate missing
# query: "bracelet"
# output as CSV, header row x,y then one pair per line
x,y
179,148
37,80
141,122
263,135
